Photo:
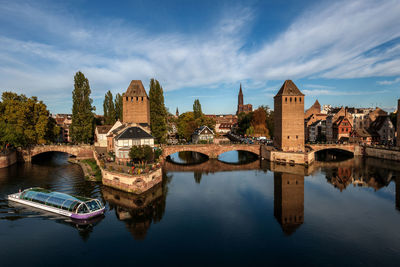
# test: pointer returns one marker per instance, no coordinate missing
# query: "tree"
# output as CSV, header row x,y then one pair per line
x,y
82,126
259,122
197,109
158,112
118,107
25,121
109,109
187,124
269,119
244,122
139,153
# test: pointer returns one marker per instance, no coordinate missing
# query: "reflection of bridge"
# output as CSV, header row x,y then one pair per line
x,y
355,149
80,151
212,166
211,150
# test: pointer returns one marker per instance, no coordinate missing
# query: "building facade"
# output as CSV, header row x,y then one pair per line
x,y
100,133
136,105
203,134
398,123
289,118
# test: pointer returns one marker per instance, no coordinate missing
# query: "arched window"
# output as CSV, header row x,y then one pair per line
x,y
300,99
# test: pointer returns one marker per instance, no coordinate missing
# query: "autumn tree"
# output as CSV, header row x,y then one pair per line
x,y
187,123
109,109
158,112
118,107
82,127
259,122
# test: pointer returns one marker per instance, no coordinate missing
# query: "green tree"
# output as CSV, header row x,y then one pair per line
x,y
197,109
82,127
158,112
141,153
118,107
244,122
187,124
109,109
25,121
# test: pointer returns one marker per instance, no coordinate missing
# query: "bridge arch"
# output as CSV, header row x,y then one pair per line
x,y
78,151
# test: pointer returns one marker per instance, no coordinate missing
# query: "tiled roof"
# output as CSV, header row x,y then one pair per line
x,y
135,88
133,133
103,129
378,122
290,89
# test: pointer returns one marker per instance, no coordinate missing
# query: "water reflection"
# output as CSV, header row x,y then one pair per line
x,y
289,201
187,158
138,212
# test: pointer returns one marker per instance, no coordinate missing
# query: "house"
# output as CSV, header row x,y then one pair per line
x,y
101,132
384,128
130,136
64,121
317,131
203,134
341,129
363,136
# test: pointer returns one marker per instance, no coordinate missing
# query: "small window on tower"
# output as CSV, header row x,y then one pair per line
x,y
137,98
295,99
131,98
297,137
290,100
142,98
288,137
126,98
300,99
286,99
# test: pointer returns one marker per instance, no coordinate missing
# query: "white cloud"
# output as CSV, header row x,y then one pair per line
x,y
389,82
340,40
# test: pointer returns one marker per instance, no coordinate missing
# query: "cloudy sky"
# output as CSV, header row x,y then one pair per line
x,y
343,53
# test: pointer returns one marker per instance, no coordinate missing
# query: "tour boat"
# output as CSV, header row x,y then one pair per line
x,y
75,207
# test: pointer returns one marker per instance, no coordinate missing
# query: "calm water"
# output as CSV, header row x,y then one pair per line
x,y
335,213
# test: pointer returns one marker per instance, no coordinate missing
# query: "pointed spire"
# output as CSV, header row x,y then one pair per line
x,y
177,112
240,90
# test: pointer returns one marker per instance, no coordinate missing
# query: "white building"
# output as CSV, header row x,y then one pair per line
x,y
128,137
203,134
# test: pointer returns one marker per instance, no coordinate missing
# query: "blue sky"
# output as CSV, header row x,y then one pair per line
x,y
341,52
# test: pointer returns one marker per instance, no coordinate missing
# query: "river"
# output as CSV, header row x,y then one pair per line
x,y
234,211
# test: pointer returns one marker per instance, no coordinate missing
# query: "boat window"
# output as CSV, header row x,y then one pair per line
x,y
93,205
83,208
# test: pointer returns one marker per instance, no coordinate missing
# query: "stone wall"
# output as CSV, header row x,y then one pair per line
x,y
8,159
270,154
130,183
382,153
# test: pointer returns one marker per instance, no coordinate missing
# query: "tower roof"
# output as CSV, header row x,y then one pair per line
x,y
135,88
290,89
240,90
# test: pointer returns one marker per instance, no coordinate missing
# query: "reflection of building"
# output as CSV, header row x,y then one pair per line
x,y
289,200
398,192
289,118
136,106
137,211
241,107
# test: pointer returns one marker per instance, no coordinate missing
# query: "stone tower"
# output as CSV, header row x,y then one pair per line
x,y
241,107
289,201
398,123
289,118
136,106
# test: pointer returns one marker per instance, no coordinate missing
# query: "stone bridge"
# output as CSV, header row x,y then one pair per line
x,y
352,148
79,151
211,150
211,166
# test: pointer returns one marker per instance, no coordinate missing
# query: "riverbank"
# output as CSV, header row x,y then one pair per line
x,y
8,158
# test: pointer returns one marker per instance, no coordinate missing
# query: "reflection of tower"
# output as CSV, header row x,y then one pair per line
x,y
398,123
398,192
197,177
289,118
289,200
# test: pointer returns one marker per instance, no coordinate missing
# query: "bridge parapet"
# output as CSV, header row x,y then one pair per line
x,y
80,151
211,150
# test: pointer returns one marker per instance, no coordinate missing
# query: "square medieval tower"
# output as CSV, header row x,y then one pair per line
x,y
136,106
289,118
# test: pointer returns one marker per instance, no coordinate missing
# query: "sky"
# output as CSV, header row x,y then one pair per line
x,y
343,53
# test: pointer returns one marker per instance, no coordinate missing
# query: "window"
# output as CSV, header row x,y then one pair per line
x,y
131,98
295,99
137,98
142,98
286,99
288,137
290,100
297,137
300,99
126,98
